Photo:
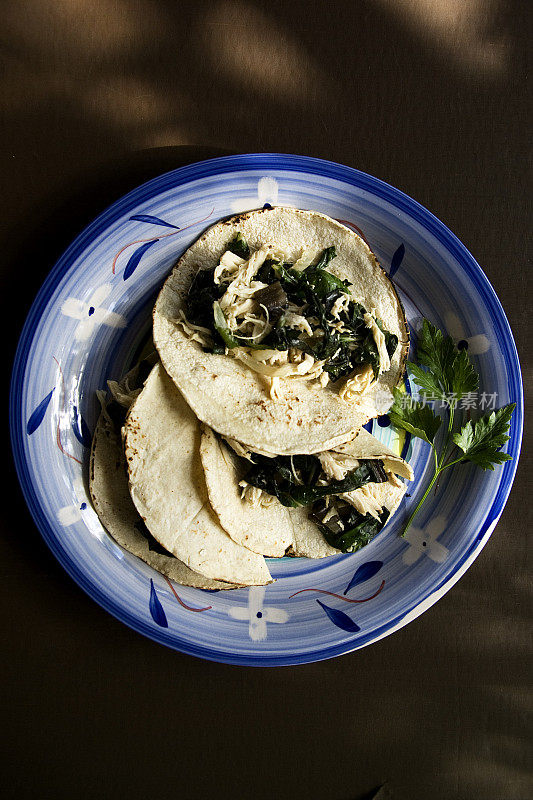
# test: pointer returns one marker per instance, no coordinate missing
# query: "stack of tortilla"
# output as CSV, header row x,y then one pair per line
x,y
164,479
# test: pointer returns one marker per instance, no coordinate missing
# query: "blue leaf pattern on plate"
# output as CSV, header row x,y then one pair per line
x,y
133,262
340,619
81,429
38,415
156,609
153,220
363,573
396,260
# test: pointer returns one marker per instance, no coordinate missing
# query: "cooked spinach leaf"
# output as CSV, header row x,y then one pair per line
x,y
348,530
222,328
239,246
315,290
200,298
327,255
282,475
281,338
324,283
267,273
293,479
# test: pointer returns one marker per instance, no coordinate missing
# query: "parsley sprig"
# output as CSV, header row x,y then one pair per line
x,y
445,373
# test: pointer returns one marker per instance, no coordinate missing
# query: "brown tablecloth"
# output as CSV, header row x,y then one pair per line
x,y
429,95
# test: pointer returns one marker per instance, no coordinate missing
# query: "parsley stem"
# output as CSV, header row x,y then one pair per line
x,y
444,453
451,463
448,434
421,502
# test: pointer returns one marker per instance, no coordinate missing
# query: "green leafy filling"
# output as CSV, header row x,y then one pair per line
x,y
239,246
348,530
294,481
316,290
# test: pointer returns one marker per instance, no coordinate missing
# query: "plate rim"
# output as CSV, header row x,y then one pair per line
x,y
257,162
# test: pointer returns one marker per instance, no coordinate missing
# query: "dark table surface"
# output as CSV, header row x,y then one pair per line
x,y
100,95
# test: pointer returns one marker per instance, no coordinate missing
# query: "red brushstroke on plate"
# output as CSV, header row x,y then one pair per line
x,y
180,601
340,596
155,238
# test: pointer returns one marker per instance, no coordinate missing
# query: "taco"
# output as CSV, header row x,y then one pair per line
x,y
167,486
108,486
282,331
263,527
310,505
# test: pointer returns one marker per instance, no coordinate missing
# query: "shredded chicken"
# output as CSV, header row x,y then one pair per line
x,y
241,312
379,338
329,514
307,368
305,259
337,465
228,265
267,356
239,449
357,384
242,277
276,392
195,333
372,497
277,254
340,305
255,496
123,393
297,321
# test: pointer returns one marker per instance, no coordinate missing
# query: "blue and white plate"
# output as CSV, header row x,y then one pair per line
x,y
85,327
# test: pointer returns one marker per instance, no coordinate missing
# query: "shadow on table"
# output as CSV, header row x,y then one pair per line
x,y
31,250
421,94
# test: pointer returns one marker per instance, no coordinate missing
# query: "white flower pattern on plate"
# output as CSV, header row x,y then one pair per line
x,y
476,345
423,541
267,192
91,313
257,615
68,515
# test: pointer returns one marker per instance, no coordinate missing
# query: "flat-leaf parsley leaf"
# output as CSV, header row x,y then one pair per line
x,y
445,373
480,441
414,417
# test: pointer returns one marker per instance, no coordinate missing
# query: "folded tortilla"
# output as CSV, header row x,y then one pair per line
x,y
367,446
308,540
108,486
265,530
275,530
167,486
234,400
